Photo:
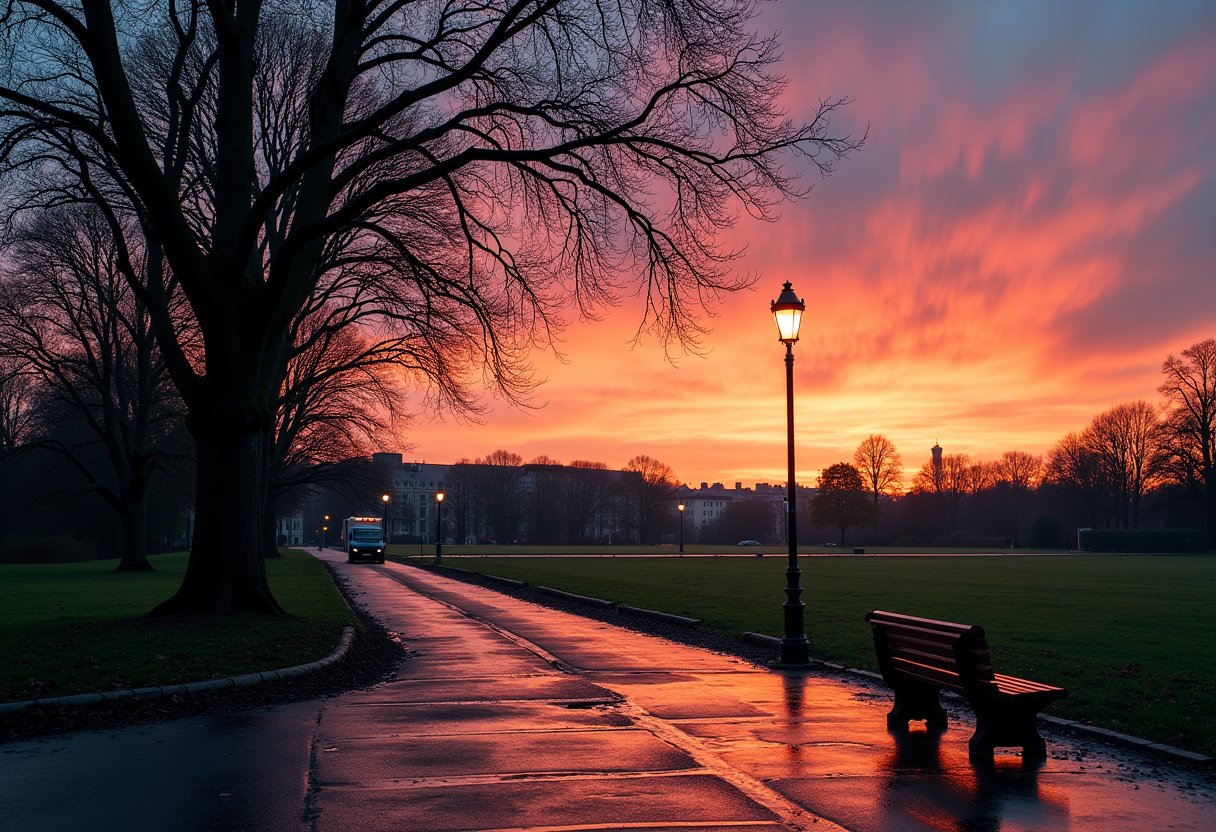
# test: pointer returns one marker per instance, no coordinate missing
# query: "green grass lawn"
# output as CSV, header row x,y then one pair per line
x,y
1133,638
81,627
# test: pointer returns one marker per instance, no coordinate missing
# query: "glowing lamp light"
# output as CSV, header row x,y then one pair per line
x,y
439,495
787,309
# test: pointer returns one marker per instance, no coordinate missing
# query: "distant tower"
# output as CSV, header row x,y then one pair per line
x,y
936,450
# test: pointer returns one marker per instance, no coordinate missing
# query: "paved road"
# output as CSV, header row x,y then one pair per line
x,y
512,717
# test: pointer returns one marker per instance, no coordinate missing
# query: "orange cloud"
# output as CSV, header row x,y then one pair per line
x,y
1024,238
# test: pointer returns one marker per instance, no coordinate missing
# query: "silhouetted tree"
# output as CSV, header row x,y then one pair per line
x,y
1127,442
1190,424
650,495
841,500
1075,467
585,490
500,481
950,484
880,467
339,403
500,160
17,396
545,475
70,316
1018,474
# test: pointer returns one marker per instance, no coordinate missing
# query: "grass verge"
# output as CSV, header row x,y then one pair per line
x,y
82,627
1133,638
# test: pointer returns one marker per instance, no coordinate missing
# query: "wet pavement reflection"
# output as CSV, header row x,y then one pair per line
x,y
511,716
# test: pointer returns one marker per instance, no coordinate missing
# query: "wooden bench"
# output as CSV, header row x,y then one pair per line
x,y
919,657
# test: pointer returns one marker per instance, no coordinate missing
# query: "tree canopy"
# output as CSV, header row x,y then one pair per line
x,y
842,500
485,171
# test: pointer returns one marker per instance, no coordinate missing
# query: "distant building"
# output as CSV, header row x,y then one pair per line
x,y
704,507
289,530
413,511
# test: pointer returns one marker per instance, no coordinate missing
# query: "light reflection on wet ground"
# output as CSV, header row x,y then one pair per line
x,y
513,716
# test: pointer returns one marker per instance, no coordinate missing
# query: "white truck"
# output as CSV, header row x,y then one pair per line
x,y
363,538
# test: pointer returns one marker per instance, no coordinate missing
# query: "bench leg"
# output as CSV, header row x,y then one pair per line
x,y
916,702
995,729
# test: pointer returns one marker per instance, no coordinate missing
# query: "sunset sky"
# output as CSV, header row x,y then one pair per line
x,y
1028,232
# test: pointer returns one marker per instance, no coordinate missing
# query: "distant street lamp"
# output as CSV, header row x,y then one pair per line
x,y
787,309
439,525
384,498
681,508
324,529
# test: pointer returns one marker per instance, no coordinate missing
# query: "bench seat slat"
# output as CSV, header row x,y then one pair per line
x,y
1012,684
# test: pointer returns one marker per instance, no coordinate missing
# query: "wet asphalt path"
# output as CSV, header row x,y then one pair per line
x,y
513,717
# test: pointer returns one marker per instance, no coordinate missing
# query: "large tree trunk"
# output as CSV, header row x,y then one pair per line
x,y
1209,494
270,534
226,571
135,527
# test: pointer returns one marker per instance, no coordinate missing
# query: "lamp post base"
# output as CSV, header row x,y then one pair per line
x,y
795,651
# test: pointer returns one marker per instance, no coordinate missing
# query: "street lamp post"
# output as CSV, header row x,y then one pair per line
x,y
324,529
681,508
787,309
384,498
439,495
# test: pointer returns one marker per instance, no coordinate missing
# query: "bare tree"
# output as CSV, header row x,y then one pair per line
x,y
71,318
1127,441
1019,473
651,491
956,478
501,482
504,161
545,477
1189,389
1074,466
340,402
586,489
880,467
1019,470
17,394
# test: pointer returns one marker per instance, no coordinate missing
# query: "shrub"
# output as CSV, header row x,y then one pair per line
x,y
1144,540
59,549
1048,532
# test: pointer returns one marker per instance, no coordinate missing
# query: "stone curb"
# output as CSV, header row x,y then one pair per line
x,y
505,581
247,680
570,596
760,640
667,617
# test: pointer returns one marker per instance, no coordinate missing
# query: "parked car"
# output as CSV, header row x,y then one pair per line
x,y
748,543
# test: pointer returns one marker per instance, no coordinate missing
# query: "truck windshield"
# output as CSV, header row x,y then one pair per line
x,y
365,534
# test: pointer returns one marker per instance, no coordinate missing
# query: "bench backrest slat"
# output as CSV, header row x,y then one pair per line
x,y
928,673
940,653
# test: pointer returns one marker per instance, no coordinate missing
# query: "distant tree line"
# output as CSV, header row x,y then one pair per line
x,y
501,497
1133,466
